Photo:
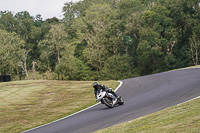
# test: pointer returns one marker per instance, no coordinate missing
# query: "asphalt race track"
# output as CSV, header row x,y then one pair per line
x,y
142,96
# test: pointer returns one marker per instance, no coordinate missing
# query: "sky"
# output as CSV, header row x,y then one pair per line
x,y
46,8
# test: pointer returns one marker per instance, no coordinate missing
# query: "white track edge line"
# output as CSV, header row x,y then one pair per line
x,y
71,114
188,100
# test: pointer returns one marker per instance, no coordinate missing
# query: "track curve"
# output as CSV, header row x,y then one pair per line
x,y
142,96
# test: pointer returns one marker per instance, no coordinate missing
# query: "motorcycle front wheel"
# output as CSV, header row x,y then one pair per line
x,y
108,102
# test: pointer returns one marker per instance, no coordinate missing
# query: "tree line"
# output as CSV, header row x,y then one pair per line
x,y
101,40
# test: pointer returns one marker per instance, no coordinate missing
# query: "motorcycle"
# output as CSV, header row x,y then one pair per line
x,y
107,99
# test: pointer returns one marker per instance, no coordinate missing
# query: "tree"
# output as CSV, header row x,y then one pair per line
x,y
139,36
127,7
24,24
38,20
72,68
53,20
94,29
23,61
53,44
118,67
55,41
10,52
7,21
195,49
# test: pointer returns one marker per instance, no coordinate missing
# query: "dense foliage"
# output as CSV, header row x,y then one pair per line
x,y
100,40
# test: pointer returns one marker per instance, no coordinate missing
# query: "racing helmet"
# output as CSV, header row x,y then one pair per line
x,y
95,84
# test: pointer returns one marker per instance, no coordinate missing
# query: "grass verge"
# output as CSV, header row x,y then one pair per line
x,y
27,104
197,66
184,118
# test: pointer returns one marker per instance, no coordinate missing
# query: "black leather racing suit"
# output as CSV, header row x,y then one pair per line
x,y
104,88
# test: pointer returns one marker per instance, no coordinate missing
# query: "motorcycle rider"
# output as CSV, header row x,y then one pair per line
x,y
97,87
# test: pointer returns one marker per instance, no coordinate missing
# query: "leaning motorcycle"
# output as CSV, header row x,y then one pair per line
x,y
107,99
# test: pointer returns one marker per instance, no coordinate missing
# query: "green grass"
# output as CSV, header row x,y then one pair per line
x,y
194,66
27,104
186,67
184,118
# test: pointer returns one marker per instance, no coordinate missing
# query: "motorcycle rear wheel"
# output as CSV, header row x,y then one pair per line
x,y
120,101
